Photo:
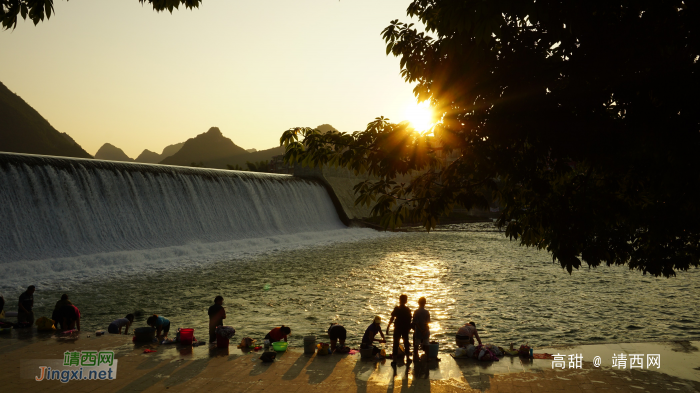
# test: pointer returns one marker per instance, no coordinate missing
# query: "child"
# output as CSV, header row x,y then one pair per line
x,y
116,326
217,314
402,315
160,323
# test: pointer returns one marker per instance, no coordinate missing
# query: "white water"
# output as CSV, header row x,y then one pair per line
x,y
64,217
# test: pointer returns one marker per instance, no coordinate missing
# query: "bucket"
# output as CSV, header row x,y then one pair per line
x,y
433,350
310,345
186,336
366,353
144,334
222,342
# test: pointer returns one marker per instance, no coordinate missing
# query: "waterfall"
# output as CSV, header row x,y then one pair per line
x,y
67,214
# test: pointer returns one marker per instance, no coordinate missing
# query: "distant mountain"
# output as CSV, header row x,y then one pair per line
x,y
24,130
205,147
149,157
171,149
112,153
251,150
324,128
240,159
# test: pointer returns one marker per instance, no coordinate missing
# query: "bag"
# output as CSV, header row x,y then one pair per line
x,y
400,353
247,343
322,349
342,349
268,357
495,350
470,351
44,323
225,331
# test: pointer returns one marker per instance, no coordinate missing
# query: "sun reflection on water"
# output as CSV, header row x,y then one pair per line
x,y
415,276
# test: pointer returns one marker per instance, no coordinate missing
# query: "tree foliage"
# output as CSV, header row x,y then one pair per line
x,y
36,10
579,117
260,166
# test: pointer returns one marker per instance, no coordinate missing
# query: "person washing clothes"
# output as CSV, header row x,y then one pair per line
x,y
466,334
70,317
116,326
370,336
278,334
161,324
402,327
217,314
337,333
57,314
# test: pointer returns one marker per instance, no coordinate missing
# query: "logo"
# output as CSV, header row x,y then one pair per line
x,y
76,366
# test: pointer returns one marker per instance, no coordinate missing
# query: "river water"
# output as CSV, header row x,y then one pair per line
x,y
469,272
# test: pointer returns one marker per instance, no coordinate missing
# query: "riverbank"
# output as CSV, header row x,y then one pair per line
x,y
174,368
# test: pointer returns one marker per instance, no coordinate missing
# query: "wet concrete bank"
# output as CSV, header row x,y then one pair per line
x,y
205,368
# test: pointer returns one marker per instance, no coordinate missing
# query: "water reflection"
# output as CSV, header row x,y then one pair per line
x,y
415,275
514,294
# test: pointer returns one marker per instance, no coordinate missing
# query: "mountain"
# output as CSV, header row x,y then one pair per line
x,y
240,159
253,155
324,128
171,149
112,153
149,157
24,130
205,147
152,157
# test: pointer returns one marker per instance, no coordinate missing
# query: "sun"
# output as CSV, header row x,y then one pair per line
x,y
420,116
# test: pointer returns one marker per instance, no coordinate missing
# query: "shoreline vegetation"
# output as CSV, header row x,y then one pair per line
x,y
458,216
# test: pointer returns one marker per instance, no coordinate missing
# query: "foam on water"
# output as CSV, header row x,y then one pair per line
x,y
64,217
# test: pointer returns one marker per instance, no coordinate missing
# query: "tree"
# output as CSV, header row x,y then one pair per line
x,y
37,9
579,117
261,166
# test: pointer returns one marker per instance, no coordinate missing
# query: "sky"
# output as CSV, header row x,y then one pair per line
x,y
114,71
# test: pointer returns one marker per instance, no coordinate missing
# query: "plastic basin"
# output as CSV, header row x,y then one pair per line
x,y
279,346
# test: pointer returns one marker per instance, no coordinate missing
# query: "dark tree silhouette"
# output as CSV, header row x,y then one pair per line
x,y
36,10
578,116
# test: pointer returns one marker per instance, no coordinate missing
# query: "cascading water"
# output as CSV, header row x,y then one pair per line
x,y
64,215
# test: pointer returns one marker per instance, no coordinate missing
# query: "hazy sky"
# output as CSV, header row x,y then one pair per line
x,y
114,71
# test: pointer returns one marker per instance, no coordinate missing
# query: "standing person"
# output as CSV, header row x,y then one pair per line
x,y
217,314
466,334
2,307
402,315
421,330
56,315
370,333
116,326
337,333
25,309
278,334
161,324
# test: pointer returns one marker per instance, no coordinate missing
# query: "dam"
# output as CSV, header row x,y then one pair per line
x,y
61,215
